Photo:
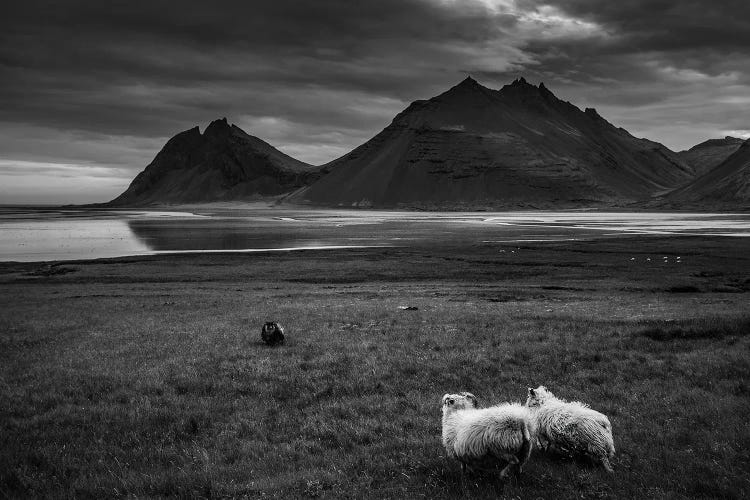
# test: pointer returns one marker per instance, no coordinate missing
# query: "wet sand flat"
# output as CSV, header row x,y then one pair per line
x,y
69,234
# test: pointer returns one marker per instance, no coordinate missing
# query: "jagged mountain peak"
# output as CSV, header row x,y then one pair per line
x,y
521,90
466,88
469,93
218,129
223,163
521,83
468,81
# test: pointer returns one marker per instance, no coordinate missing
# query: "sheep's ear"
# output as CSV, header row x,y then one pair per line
x,y
471,398
532,392
445,397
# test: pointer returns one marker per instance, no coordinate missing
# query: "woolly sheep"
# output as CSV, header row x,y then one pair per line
x,y
572,427
482,437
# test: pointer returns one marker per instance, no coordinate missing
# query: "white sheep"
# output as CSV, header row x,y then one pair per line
x,y
571,427
484,437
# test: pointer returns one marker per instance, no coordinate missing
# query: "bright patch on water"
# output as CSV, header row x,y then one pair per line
x,y
68,234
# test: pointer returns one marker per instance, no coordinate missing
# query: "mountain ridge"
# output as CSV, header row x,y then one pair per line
x,y
223,163
516,145
710,153
470,147
726,185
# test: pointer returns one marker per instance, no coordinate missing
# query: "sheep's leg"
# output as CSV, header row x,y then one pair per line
x,y
542,443
504,473
463,480
515,469
597,455
499,485
524,455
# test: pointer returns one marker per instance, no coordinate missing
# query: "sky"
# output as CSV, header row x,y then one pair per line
x,y
90,91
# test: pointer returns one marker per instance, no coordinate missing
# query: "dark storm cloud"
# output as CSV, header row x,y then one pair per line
x,y
105,83
664,25
675,72
137,67
652,41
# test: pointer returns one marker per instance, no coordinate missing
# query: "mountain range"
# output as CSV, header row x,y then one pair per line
x,y
470,147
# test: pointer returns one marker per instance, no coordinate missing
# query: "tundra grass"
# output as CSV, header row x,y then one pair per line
x,y
146,377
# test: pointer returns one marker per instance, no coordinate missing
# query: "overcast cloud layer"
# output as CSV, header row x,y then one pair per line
x,y
90,91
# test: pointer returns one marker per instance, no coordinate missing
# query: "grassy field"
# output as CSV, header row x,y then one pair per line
x,y
146,376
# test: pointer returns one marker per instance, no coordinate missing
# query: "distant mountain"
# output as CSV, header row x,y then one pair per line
x,y
473,147
223,163
709,154
725,186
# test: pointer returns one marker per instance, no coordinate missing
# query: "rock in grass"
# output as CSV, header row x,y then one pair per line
x,y
272,333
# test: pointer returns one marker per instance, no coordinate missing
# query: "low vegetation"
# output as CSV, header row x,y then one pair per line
x,y
147,377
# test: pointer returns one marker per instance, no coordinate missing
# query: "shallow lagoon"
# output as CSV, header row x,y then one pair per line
x,y
42,234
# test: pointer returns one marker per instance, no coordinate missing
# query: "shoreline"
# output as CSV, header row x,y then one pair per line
x,y
273,205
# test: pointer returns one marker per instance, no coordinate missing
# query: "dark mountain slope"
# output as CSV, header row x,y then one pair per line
x,y
223,163
476,147
709,154
726,186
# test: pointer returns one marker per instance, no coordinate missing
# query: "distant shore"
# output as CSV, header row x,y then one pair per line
x,y
275,204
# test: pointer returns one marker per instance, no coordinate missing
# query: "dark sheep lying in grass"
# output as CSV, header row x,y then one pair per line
x,y
272,333
571,427
484,437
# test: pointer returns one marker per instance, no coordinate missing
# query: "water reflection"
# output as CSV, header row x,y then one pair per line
x,y
237,234
34,235
67,239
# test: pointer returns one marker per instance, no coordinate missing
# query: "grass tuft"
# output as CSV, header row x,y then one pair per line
x,y
703,328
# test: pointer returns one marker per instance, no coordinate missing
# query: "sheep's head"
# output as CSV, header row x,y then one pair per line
x,y
538,396
462,401
270,326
